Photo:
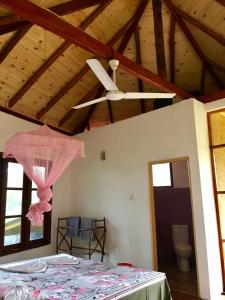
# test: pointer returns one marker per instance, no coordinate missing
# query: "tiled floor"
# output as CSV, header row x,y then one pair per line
x,y
181,282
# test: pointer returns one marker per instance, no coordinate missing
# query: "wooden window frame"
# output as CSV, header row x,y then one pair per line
x,y
216,193
25,243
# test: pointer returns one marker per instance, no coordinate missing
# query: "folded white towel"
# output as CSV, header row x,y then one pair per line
x,y
63,259
32,266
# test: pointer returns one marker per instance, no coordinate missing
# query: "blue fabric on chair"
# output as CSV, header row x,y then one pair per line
x,y
86,223
73,222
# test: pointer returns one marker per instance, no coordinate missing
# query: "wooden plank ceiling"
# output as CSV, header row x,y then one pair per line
x,y
170,45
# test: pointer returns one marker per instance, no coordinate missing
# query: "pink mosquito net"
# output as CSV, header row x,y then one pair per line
x,y
44,154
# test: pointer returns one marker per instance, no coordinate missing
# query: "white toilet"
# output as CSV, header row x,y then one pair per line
x,y
182,247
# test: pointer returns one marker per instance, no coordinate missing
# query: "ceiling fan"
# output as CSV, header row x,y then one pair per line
x,y
114,93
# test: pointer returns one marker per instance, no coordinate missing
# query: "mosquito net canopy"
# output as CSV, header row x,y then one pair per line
x,y
44,154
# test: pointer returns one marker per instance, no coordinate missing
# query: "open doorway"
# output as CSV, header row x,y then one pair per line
x,y
172,224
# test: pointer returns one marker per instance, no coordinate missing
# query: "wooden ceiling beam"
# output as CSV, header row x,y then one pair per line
x,y
13,22
172,49
53,23
13,41
111,118
203,73
222,2
216,65
138,61
29,119
121,48
213,97
193,42
218,37
6,28
75,79
159,38
128,29
58,52
72,111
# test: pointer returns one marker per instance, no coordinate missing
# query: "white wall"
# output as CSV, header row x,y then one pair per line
x,y
118,188
9,125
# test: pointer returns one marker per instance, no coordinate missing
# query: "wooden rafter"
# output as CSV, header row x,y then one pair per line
x,y
222,2
172,49
58,52
13,41
121,48
194,44
138,61
201,26
216,65
53,23
159,38
129,28
63,91
203,73
13,22
6,28
76,78
212,97
86,68
72,111
111,118
29,119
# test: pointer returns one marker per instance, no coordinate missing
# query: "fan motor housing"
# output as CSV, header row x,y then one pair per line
x,y
115,95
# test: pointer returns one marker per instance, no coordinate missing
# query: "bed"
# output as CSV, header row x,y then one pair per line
x,y
55,278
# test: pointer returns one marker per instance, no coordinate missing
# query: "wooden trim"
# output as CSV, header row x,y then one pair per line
x,y
60,27
13,22
13,41
201,26
153,219
58,52
213,97
194,43
222,258
172,48
26,189
159,38
152,211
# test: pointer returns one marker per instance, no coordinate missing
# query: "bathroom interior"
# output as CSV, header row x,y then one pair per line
x,y
174,225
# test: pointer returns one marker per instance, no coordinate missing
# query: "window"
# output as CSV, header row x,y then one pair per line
x,y
161,175
216,122
17,193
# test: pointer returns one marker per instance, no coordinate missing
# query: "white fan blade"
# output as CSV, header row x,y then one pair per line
x,y
148,95
90,102
102,75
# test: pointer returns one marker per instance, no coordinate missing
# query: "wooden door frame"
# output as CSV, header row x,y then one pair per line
x,y
152,211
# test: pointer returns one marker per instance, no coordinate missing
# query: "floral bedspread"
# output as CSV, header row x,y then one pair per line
x,y
85,281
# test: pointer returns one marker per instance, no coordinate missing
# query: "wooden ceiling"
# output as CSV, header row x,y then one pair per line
x,y
170,45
